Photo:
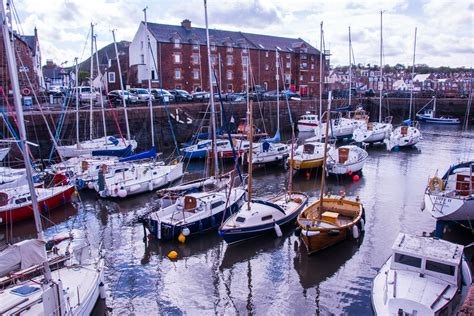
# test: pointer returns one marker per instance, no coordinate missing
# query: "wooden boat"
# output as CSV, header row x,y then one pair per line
x,y
308,156
338,219
423,276
330,220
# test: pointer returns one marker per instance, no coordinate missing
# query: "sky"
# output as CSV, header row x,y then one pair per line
x,y
445,28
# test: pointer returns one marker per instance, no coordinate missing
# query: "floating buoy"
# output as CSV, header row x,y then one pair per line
x,y
350,173
102,291
355,178
122,193
355,231
173,255
182,238
308,175
150,186
186,231
277,230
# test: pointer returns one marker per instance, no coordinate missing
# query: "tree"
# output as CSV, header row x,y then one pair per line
x,y
83,76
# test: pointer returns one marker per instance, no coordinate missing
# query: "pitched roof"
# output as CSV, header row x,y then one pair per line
x,y
30,40
167,33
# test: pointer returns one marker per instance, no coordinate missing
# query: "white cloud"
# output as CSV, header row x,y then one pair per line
x,y
445,28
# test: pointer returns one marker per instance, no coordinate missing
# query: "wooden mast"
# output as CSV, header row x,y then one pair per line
x,y
320,208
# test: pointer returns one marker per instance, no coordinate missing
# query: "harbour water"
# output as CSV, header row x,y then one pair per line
x,y
267,275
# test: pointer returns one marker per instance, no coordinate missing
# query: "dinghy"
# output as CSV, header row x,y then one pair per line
x,y
423,276
345,160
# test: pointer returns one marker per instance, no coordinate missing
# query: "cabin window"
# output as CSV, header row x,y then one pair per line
x,y
266,218
440,267
408,260
240,219
217,204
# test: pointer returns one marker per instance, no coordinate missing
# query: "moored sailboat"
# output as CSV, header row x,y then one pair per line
x,y
329,220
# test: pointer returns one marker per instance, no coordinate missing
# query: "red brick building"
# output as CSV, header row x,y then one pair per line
x,y
179,57
27,59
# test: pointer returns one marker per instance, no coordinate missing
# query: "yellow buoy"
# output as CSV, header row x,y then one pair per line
x,y
181,238
172,255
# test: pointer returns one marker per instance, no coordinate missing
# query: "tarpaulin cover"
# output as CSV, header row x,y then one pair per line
x,y
22,255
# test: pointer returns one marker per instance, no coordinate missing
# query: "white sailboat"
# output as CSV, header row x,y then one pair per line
x,y
423,276
345,159
86,147
70,290
408,134
139,176
339,127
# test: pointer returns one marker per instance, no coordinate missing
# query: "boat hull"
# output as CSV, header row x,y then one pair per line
x,y
444,121
449,208
26,212
323,240
305,164
306,127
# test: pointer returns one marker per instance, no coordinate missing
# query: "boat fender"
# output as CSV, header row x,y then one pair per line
x,y
466,273
186,231
277,230
102,291
355,232
150,186
436,184
309,233
362,225
182,238
122,193
90,185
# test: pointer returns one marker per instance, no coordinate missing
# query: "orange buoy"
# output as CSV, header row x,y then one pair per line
x,y
356,178
172,255
181,238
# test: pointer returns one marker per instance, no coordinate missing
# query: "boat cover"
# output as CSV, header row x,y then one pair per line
x,y
143,155
114,152
274,139
22,255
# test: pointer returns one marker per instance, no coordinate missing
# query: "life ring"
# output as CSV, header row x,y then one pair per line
x,y
436,183
25,91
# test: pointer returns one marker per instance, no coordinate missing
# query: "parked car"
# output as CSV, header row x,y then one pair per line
x,y
57,91
86,94
201,96
141,94
272,95
116,97
162,95
181,95
235,97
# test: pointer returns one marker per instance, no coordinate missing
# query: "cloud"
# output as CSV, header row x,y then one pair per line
x,y
445,28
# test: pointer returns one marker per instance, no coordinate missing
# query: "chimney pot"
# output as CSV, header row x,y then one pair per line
x,y
186,24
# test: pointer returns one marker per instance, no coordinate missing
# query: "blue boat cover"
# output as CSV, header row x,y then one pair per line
x,y
274,139
143,155
407,122
113,140
124,152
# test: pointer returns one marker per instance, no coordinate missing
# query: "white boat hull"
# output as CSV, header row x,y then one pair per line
x,y
397,139
448,208
87,147
377,134
306,126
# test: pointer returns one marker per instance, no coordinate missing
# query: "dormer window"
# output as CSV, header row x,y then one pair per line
x,y
196,46
230,49
213,47
177,43
266,53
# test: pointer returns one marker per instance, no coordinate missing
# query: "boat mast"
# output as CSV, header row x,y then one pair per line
x,y
434,107
150,105
211,90
91,119
12,69
121,86
350,67
321,74
100,89
277,66
412,75
78,144
249,137
381,69
321,195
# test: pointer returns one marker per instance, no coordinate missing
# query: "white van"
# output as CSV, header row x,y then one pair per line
x,y
86,94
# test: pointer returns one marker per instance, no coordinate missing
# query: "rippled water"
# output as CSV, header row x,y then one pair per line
x,y
267,275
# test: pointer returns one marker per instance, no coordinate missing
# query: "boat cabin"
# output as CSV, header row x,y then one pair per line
x,y
309,117
428,257
458,181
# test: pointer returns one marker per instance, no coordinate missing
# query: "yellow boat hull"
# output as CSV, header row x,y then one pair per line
x,y
305,164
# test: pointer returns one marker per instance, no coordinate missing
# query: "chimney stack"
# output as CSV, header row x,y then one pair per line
x,y
186,24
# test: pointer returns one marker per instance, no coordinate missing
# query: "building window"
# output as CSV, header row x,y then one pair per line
x,y
230,88
177,74
301,77
142,59
266,53
195,46
112,77
229,75
230,49
230,60
177,43
245,50
267,67
213,47
153,75
245,60
142,44
287,78
312,78
303,56
196,74
312,66
177,58
213,59
288,56
312,58
288,65
195,58
178,86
